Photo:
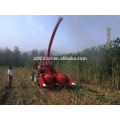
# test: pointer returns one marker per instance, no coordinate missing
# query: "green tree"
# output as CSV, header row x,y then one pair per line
x,y
16,57
25,58
34,54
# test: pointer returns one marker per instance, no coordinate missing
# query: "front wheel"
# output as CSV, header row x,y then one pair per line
x,y
32,76
36,76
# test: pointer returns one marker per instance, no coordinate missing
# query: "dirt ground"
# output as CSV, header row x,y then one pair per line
x,y
26,92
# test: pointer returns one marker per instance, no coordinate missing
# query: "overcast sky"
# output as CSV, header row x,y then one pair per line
x,y
75,33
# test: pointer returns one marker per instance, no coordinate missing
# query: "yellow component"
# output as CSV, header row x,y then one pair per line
x,y
108,43
108,39
108,29
108,34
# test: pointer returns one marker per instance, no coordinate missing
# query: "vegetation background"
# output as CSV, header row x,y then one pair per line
x,y
97,78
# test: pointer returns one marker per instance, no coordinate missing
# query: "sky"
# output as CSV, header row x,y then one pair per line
x,y
75,32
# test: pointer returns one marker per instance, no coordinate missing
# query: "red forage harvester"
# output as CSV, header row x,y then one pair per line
x,y
45,73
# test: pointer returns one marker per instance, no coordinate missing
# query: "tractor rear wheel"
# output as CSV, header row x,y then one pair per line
x,y
36,76
32,76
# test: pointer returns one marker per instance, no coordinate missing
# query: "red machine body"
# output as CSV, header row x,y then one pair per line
x,y
46,73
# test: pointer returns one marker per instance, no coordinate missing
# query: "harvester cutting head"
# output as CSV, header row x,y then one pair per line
x,y
45,73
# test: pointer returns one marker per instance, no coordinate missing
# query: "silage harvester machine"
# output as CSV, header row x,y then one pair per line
x,y
45,73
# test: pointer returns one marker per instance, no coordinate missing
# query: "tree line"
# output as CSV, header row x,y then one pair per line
x,y
102,66
17,59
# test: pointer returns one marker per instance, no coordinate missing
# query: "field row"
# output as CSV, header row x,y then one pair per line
x,y
26,92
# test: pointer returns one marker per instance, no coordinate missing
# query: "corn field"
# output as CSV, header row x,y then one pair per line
x,y
102,67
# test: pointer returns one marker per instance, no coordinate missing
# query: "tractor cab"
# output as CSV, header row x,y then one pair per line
x,y
45,65
49,67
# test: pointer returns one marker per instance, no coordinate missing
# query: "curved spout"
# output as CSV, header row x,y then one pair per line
x,y
53,34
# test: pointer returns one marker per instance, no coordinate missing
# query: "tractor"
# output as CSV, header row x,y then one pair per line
x,y
45,73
